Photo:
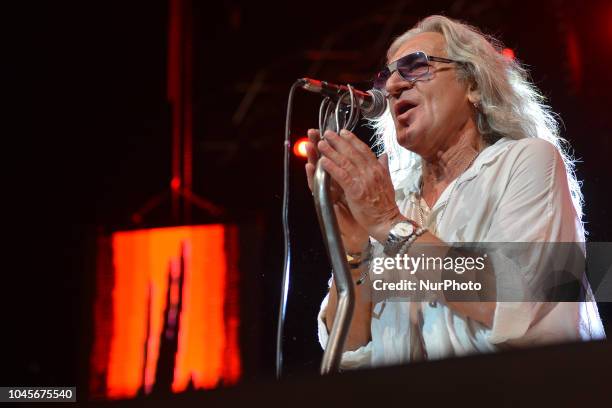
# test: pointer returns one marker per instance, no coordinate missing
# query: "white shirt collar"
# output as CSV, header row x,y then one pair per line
x,y
410,184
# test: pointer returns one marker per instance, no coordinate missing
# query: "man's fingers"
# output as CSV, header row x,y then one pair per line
x,y
311,153
363,149
383,159
341,176
310,170
341,160
344,147
313,135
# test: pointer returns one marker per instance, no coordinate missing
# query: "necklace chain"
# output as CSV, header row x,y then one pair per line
x,y
450,195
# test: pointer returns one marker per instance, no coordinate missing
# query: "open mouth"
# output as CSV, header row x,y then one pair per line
x,y
402,107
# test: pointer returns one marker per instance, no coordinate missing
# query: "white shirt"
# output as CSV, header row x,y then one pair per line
x,y
515,191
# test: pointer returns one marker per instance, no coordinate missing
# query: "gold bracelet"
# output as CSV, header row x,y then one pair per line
x,y
355,259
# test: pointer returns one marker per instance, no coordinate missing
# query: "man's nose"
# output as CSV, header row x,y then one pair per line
x,y
396,84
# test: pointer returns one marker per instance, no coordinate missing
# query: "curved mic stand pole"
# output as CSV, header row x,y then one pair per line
x,y
331,232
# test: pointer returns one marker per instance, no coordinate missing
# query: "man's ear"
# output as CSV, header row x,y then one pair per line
x,y
473,93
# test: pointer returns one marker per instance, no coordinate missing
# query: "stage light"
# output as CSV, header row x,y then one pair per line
x,y
299,147
508,53
175,183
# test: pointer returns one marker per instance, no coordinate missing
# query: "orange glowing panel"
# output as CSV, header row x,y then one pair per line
x,y
172,324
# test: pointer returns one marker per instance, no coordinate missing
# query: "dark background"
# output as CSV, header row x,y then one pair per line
x,y
87,141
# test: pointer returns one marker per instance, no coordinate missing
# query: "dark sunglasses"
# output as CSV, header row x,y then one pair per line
x,y
411,67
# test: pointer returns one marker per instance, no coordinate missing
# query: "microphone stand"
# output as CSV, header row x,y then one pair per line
x,y
331,117
342,112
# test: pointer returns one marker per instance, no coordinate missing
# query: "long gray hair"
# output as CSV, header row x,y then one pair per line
x,y
510,104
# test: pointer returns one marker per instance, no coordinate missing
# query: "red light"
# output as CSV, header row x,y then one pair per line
x,y
175,184
508,53
299,147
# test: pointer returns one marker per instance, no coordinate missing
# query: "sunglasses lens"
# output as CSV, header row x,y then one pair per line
x,y
413,66
381,79
410,67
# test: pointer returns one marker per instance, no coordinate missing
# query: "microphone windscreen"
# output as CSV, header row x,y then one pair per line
x,y
378,105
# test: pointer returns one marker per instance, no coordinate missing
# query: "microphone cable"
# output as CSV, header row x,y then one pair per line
x,y
287,241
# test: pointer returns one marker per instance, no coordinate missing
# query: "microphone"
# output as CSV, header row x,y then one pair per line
x,y
371,103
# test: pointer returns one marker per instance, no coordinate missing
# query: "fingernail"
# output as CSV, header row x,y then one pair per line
x,y
344,132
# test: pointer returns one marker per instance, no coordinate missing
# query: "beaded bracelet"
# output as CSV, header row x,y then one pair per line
x,y
410,240
356,260
364,274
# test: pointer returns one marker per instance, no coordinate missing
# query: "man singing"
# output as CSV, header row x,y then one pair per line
x,y
475,157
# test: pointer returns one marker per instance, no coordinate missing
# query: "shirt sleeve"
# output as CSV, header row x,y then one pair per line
x,y
354,359
535,206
